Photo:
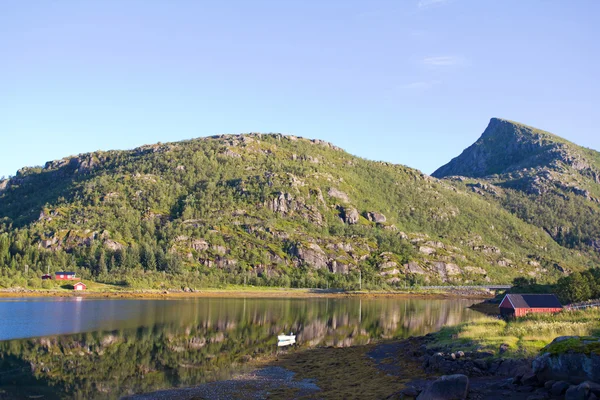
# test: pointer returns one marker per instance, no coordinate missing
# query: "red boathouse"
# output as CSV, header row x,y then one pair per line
x,y
518,305
79,286
64,276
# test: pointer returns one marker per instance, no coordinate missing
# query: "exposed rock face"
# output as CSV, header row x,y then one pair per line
x,y
572,365
199,245
4,184
311,254
374,216
339,267
522,147
350,215
476,270
446,270
427,250
230,153
112,245
484,189
282,203
414,268
338,194
221,250
448,387
286,204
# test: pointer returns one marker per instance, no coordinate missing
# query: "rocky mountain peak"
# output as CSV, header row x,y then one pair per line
x,y
506,146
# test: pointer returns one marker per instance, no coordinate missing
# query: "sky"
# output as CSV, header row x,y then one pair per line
x,y
412,82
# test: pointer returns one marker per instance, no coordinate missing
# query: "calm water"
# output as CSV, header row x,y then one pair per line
x,y
87,348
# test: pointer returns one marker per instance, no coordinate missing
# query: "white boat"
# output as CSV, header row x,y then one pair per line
x,y
286,340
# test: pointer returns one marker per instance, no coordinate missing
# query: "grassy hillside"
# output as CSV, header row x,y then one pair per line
x,y
260,209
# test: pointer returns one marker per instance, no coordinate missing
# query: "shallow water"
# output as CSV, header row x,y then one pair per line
x,y
97,348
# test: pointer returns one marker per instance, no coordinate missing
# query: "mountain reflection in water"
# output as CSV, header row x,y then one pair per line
x,y
135,346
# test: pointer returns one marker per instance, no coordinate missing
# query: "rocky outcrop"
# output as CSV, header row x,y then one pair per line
x,y
311,254
349,215
199,244
377,217
283,203
475,270
426,250
112,245
414,268
230,153
522,147
286,204
338,194
338,267
569,358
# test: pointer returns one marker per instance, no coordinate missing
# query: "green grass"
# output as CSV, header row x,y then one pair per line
x,y
584,344
524,336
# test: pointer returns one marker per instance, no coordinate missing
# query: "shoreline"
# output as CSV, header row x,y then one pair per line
x,y
257,292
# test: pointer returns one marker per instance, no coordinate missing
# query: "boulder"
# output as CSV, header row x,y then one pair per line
x,y
529,379
448,387
579,392
548,385
374,216
559,388
570,359
350,215
410,391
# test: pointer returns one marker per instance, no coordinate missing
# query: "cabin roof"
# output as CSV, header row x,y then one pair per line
x,y
64,273
534,301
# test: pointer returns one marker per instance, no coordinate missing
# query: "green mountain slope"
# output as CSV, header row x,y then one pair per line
x,y
263,209
539,177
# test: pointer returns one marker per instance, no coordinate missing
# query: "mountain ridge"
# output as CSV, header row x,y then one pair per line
x,y
273,209
544,179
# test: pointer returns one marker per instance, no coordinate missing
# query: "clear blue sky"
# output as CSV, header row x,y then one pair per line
x,y
411,82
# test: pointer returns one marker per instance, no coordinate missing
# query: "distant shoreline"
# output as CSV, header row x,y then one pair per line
x,y
257,292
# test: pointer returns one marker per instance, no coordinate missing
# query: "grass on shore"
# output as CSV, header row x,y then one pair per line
x,y
525,336
97,289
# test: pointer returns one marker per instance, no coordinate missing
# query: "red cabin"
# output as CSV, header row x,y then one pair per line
x,y
518,305
79,286
64,276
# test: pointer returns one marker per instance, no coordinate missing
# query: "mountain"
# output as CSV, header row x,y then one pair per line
x,y
539,177
267,209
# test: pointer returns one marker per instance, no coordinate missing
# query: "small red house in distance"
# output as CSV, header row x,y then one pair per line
x,y
518,305
64,276
79,286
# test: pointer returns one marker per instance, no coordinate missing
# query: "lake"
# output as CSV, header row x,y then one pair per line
x,y
107,348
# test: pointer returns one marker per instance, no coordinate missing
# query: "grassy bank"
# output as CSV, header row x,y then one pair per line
x,y
95,289
524,336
